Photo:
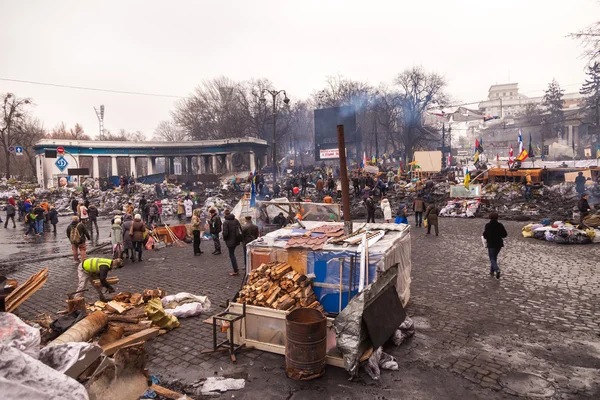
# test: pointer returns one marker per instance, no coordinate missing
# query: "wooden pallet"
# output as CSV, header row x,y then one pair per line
x,y
23,292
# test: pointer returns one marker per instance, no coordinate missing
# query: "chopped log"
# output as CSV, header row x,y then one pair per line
x,y
136,299
299,278
166,393
113,280
124,318
129,329
100,304
285,304
139,337
150,294
115,307
273,296
112,334
296,293
122,297
314,304
78,303
84,330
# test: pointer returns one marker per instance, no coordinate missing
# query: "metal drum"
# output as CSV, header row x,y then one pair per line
x,y
306,344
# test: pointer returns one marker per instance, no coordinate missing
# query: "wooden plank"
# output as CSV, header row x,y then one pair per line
x,y
142,336
167,393
113,280
28,288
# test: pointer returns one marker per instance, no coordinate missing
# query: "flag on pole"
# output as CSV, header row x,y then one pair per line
x,y
531,152
522,156
539,149
467,179
476,146
364,161
573,142
476,156
253,191
520,142
449,160
480,145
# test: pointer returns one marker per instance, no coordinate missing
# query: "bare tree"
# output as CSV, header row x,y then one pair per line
x,y
60,131
590,40
28,134
301,129
169,131
420,91
388,113
214,111
14,114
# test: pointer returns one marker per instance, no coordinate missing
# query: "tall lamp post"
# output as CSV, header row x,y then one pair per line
x,y
286,100
100,115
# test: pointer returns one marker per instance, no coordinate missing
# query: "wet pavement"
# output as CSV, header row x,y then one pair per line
x,y
535,332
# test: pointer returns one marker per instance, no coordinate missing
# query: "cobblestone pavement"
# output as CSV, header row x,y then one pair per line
x,y
542,317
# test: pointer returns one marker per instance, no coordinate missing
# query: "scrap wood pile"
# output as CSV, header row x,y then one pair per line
x,y
276,285
25,290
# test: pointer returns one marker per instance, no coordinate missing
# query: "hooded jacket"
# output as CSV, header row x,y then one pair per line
x,y
232,231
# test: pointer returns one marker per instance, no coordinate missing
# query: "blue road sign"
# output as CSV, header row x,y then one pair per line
x,y
61,163
19,150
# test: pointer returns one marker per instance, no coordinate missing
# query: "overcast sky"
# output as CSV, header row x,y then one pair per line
x,y
168,47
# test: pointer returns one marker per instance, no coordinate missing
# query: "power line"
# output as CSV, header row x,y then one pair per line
x,y
92,89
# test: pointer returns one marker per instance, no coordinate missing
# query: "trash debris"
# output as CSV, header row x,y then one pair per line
x,y
380,360
404,331
183,305
216,385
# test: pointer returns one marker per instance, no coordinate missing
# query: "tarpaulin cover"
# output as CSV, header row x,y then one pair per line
x,y
351,333
22,375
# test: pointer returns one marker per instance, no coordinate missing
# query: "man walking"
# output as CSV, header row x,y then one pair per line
x,y
196,222
232,234
142,207
215,229
96,268
11,211
249,233
419,207
93,216
77,234
39,219
493,233
431,215
370,204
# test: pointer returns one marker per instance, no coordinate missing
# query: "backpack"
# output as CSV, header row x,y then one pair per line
x,y
75,235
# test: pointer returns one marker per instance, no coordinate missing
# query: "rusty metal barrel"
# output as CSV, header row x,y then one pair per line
x,y
306,344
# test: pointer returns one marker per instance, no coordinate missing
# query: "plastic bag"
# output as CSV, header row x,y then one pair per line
x,y
425,223
186,310
149,243
404,331
156,313
378,361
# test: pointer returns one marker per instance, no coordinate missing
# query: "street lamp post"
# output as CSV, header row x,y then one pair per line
x,y
286,100
100,115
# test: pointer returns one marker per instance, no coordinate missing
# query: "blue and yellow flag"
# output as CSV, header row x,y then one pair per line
x,y
253,191
467,179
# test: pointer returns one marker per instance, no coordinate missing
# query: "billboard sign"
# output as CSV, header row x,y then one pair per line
x,y
326,122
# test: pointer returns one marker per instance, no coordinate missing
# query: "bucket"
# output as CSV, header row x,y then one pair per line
x,y
306,344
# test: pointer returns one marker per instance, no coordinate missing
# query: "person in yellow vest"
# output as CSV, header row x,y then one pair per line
x,y
96,268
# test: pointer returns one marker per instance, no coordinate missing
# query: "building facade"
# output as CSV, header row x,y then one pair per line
x,y
110,158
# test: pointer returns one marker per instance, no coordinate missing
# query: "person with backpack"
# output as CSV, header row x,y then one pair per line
x,y
30,221
93,218
215,229
196,222
96,268
419,208
53,218
77,234
232,234
11,211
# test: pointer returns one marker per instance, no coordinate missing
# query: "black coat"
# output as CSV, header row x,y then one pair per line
x,y
249,233
53,216
583,205
232,231
494,233
215,225
370,204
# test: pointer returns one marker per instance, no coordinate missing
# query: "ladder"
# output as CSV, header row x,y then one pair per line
x,y
246,209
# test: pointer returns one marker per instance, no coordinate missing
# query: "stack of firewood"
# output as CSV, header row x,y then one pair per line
x,y
276,285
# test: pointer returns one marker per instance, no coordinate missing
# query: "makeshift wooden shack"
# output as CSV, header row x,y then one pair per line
x,y
340,267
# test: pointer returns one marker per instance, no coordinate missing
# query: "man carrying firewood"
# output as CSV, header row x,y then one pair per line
x,y
96,268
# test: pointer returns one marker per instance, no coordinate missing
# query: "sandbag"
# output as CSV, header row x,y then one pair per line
x,y
156,313
526,231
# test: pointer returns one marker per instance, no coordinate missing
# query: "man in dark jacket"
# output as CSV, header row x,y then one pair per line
x,y
39,221
11,211
584,208
370,204
74,204
93,219
280,220
232,234
142,207
419,208
249,233
77,239
493,234
580,183
215,229
431,215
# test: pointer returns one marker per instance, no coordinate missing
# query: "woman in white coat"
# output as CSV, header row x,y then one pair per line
x,y
387,210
